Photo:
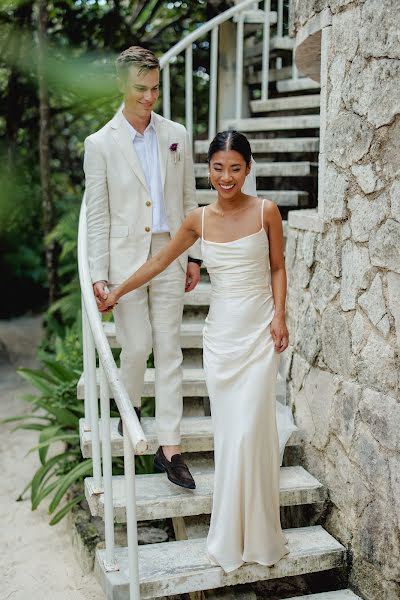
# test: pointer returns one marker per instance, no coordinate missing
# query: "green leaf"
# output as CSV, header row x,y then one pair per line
x,y
65,509
39,379
43,493
58,438
59,371
22,418
45,439
63,415
31,427
42,472
83,468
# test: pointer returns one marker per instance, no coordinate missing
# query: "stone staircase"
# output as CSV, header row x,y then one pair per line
x,y
283,133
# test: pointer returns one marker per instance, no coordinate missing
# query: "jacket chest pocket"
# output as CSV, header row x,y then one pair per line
x,y
119,231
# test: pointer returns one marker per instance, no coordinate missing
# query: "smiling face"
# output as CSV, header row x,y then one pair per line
x,y
228,171
141,91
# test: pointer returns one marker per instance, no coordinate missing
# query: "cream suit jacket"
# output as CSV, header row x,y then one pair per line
x,y
119,210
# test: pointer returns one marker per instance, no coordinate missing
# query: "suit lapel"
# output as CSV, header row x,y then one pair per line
x,y
161,127
121,136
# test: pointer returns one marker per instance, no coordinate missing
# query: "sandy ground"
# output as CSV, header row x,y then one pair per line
x,y
36,560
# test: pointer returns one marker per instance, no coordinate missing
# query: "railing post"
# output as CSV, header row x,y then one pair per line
x,y
279,31
110,563
166,93
239,65
131,520
265,54
91,399
212,115
189,91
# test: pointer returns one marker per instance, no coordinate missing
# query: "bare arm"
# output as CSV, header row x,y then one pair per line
x,y
273,223
187,234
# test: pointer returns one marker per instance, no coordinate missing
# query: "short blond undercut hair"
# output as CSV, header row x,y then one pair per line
x,y
136,56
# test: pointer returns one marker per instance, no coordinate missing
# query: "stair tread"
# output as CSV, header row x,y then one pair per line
x,y
289,103
191,334
296,85
158,499
276,42
196,434
272,123
333,595
257,16
282,198
269,169
273,145
182,566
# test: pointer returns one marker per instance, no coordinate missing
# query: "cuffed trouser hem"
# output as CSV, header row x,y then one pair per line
x,y
169,438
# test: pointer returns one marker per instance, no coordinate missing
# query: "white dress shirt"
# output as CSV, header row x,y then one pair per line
x,y
146,147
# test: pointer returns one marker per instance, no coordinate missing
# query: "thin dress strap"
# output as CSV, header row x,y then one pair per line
x,y
262,214
202,223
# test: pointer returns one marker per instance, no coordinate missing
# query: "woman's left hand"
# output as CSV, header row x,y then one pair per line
x,y
280,334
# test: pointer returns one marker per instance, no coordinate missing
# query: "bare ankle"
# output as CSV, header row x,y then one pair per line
x,y
169,451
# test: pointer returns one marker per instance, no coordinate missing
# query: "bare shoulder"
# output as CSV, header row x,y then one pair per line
x,y
271,212
193,220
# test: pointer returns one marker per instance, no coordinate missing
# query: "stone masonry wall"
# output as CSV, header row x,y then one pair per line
x,y
344,294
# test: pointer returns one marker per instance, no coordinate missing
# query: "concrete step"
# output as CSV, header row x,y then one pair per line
x,y
276,43
272,145
191,334
193,383
197,436
256,17
290,198
158,499
301,84
334,595
270,169
253,77
272,123
289,103
179,567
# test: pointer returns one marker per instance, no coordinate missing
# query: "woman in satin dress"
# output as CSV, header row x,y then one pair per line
x,y
244,335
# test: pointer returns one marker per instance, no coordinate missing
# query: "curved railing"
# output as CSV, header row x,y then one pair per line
x,y
94,338
186,45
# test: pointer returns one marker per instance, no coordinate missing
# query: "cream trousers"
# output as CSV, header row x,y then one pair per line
x,y
151,317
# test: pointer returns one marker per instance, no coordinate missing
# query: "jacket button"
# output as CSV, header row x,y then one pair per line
x,y
148,203
147,229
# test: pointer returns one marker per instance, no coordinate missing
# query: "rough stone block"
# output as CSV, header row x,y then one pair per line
x,y
381,413
359,333
307,332
366,215
323,288
335,336
384,246
355,266
378,366
367,179
348,139
379,32
373,304
335,187
393,286
328,251
343,412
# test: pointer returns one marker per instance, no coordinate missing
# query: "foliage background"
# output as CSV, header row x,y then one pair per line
x,y
83,40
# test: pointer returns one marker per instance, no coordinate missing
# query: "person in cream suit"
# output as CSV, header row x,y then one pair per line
x,y
140,186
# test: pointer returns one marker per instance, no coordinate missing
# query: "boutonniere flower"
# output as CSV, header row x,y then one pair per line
x,y
177,153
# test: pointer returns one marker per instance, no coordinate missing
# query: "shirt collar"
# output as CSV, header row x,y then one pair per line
x,y
132,131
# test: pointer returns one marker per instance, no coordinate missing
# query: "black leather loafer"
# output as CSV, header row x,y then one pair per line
x,y
176,469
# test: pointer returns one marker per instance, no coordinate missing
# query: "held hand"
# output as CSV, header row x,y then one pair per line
x,y
192,276
280,334
108,302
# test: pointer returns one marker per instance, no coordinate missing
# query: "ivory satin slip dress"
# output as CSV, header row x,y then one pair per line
x,y
241,367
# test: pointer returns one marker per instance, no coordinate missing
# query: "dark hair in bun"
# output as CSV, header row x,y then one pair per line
x,y
230,140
